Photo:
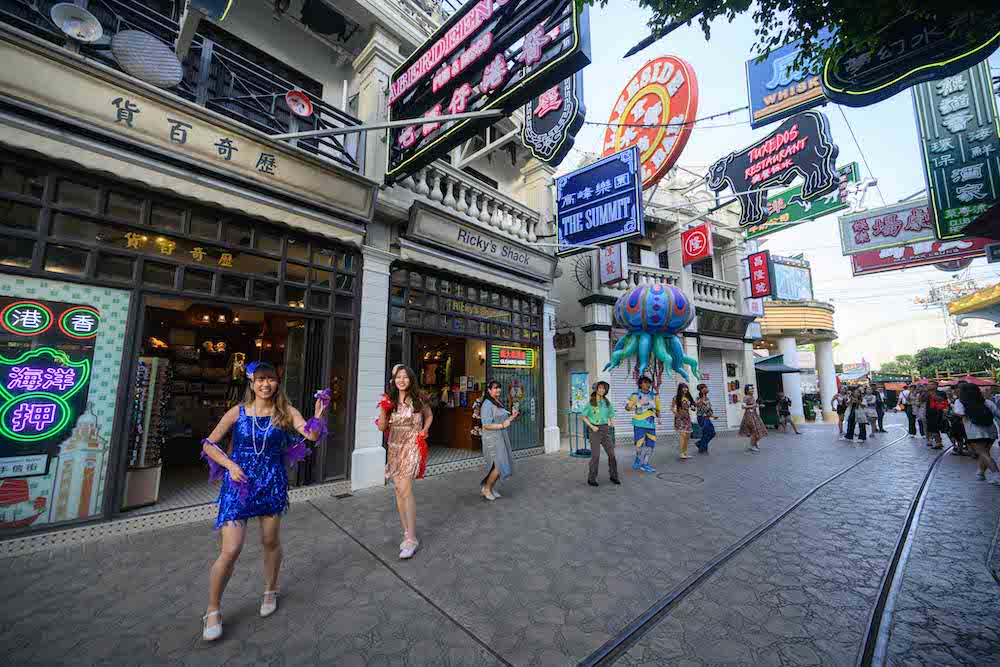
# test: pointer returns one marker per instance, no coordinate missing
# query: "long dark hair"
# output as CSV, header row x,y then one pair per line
x,y
488,397
680,394
412,392
281,410
974,404
593,394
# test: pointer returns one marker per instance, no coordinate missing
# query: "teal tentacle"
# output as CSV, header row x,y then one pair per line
x,y
660,350
619,352
631,346
677,351
693,365
645,343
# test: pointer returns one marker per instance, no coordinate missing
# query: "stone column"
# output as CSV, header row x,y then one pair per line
x,y
538,181
597,335
372,69
827,378
790,382
551,377
368,458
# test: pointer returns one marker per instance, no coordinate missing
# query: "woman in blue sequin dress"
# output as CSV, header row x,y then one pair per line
x,y
254,481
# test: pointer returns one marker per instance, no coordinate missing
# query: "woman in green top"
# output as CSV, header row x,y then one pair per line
x,y
599,416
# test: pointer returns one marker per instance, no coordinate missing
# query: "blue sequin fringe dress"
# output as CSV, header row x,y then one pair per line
x,y
266,472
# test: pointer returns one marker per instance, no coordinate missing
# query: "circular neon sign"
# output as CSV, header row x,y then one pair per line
x,y
80,322
32,417
663,94
26,318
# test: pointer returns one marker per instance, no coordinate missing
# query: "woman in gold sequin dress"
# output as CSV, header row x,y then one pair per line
x,y
405,420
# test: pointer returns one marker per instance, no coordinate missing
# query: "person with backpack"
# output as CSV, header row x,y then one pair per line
x,y
937,405
978,417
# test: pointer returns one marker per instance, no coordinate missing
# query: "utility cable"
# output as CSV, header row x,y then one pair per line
x,y
861,153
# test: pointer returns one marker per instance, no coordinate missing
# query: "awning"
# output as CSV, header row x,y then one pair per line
x,y
774,364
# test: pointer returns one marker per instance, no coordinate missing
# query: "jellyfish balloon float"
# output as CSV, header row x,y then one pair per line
x,y
653,315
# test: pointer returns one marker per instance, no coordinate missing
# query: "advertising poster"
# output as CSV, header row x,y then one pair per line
x,y
792,279
777,89
579,392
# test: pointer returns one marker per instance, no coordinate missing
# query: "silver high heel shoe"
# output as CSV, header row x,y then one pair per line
x,y
486,493
210,634
268,607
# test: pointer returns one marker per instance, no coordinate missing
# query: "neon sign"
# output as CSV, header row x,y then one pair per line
x,y
26,318
30,373
80,322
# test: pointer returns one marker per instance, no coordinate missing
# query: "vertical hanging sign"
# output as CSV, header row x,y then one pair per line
x,y
760,274
960,140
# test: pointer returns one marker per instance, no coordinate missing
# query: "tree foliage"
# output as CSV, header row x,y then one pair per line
x,y
964,357
904,364
782,21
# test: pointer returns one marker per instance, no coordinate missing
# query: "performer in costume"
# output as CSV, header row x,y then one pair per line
x,y
645,403
254,480
407,418
752,425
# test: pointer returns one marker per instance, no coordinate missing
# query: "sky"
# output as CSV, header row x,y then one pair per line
x,y
886,133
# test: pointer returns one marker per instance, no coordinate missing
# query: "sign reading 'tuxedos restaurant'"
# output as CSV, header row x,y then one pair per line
x,y
491,54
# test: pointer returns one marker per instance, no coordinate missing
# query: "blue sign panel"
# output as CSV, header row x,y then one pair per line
x,y
600,204
778,90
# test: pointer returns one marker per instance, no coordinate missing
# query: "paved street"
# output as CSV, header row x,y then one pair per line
x,y
555,568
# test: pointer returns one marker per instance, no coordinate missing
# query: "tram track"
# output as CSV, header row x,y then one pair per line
x,y
616,647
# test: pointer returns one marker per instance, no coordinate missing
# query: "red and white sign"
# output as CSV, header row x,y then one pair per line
x,y
663,95
917,254
614,264
696,243
760,274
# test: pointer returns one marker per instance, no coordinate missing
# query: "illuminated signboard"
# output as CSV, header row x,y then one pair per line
x,y
43,389
908,51
696,243
760,274
512,357
957,121
491,54
552,119
788,208
663,95
777,89
917,254
887,227
801,147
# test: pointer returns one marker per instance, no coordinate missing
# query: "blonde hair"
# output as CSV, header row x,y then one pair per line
x,y
281,416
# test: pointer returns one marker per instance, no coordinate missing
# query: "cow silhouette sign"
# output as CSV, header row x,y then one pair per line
x,y
801,147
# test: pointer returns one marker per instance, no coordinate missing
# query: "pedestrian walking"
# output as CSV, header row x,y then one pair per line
x,y
937,404
978,418
408,420
497,453
879,392
839,405
705,414
920,409
599,416
645,408
856,417
953,426
870,402
752,425
681,407
907,401
254,481
784,406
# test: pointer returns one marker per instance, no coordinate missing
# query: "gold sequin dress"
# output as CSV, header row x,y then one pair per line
x,y
403,459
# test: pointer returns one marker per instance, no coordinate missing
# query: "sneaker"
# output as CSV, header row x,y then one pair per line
x,y
981,475
755,448
636,463
592,482
616,481
647,468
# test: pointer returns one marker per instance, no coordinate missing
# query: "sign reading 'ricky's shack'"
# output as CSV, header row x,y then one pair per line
x,y
491,54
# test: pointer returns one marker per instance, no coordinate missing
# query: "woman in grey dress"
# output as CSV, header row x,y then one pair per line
x,y
497,454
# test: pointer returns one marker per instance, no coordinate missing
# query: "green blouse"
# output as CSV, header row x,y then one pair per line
x,y
599,415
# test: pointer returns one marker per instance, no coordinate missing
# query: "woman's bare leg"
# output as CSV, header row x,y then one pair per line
x,y
407,506
233,536
270,541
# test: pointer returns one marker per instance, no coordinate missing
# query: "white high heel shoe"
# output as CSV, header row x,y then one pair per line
x,y
486,493
267,608
210,634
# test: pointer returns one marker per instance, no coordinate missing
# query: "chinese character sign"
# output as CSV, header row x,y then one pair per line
x,y
888,227
600,203
760,274
696,243
788,208
613,263
957,121
917,254
552,119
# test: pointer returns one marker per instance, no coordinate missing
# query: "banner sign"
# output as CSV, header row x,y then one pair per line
x,y
552,119
512,357
44,379
614,264
600,203
908,51
957,121
579,392
491,54
888,227
800,147
792,279
663,95
916,254
696,243
777,89
788,208
760,274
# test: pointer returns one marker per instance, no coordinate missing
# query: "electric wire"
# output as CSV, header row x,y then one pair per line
x,y
861,152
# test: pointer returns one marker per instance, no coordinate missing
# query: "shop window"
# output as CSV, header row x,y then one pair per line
x,y
458,324
198,281
163,218
417,280
664,259
160,275
264,291
298,249
342,381
413,317
516,320
124,208
267,240
472,294
430,283
703,267
430,301
204,227
323,278
16,252
397,296
70,227
444,287
233,287
398,278
113,267
320,300
345,283
76,195
261,266
324,257
396,314
236,233
430,320
504,301
19,216
416,298
534,307
345,305
296,273
63,259
21,181
295,297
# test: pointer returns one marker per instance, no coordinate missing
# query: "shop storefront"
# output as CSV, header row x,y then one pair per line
x,y
128,319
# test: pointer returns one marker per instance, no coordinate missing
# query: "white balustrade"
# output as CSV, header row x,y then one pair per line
x,y
647,275
716,294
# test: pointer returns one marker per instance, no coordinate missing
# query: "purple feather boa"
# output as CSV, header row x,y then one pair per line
x,y
297,453
243,490
216,472
316,427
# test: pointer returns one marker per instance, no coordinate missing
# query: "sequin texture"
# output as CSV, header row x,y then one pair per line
x,y
404,458
266,472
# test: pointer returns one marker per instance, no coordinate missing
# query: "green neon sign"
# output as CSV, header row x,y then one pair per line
x,y
26,318
34,383
43,409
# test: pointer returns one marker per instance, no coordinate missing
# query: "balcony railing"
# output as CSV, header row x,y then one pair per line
x,y
473,200
716,294
647,275
215,76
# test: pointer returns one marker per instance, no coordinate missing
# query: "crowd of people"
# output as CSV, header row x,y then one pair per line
x,y
860,408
